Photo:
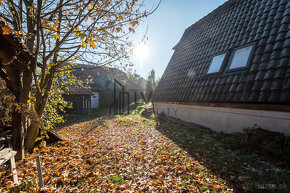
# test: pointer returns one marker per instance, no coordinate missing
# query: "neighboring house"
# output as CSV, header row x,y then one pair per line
x,y
80,97
231,69
101,83
93,85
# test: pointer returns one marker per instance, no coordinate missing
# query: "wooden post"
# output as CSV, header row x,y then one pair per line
x,y
89,108
39,171
128,103
13,170
123,100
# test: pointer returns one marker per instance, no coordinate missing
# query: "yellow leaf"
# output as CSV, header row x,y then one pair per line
x,y
120,17
63,58
83,44
56,36
90,6
104,37
92,43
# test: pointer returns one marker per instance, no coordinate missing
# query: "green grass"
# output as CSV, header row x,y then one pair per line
x,y
74,117
116,179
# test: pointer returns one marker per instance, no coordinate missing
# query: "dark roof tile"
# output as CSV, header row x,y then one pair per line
x,y
268,75
266,85
276,23
278,45
265,23
288,34
277,84
285,52
283,28
275,55
279,73
286,84
253,97
263,96
279,14
272,64
286,43
280,36
286,12
286,20
287,74
284,62
285,96
274,96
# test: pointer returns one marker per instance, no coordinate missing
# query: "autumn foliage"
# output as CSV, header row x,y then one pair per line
x,y
59,34
115,155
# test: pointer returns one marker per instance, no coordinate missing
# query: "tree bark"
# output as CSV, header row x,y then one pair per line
x,y
33,129
18,135
32,135
18,119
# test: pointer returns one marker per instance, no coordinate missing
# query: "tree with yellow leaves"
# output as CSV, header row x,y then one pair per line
x,y
61,32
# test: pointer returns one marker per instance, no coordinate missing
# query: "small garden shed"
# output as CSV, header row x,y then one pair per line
x,y
231,69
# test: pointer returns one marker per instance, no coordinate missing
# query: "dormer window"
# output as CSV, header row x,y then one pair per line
x,y
241,57
216,63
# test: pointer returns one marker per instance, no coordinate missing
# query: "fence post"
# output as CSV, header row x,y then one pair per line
x,y
39,171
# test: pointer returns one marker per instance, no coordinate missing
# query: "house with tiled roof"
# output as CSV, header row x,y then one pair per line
x,y
80,97
231,69
99,85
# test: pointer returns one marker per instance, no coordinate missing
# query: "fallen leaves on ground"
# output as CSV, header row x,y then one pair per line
x,y
228,155
114,155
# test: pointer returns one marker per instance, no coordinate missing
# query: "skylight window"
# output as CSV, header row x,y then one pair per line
x,y
216,63
241,57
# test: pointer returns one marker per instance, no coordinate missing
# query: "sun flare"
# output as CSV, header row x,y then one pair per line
x,y
141,52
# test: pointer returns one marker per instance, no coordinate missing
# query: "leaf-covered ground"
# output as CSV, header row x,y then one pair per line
x,y
114,155
134,154
230,157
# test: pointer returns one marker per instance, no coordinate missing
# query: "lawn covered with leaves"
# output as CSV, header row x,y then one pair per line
x,y
135,154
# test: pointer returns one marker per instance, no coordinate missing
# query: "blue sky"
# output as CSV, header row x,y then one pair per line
x,y
165,28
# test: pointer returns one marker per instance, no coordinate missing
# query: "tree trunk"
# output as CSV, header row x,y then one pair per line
x,y
30,127
32,134
18,135
33,130
17,117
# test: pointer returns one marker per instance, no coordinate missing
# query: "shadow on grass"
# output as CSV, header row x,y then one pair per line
x,y
76,118
228,157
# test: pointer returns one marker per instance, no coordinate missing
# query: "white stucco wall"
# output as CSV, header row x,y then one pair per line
x,y
95,100
228,120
